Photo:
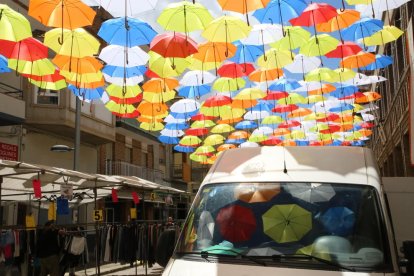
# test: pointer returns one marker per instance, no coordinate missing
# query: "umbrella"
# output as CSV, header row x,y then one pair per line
x,y
274,58
246,125
122,110
124,72
76,43
167,67
228,84
197,78
168,139
185,106
284,84
87,93
381,61
182,148
126,31
160,84
322,74
14,26
362,28
250,94
224,147
226,29
53,81
338,220
196,131
386,35
264,75
295,37
130,8
344,49
83,65
123,56
359,60
263,34
184,17
256,193
280,11
236,223
66,14
311,192
205,229
194,92
222,128
215,51
319,45
3,65
29,49
248,144
173,45
265,251
244,7
246,53
200,158
287,222
318,250
303,64
340,21
40,67
315,13
235,70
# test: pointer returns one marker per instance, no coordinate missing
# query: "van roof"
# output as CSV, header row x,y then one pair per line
x,y
354,165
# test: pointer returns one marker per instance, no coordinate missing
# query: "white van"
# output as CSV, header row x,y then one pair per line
x,y
287,211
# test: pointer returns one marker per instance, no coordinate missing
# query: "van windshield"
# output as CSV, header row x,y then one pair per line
x,y
341,223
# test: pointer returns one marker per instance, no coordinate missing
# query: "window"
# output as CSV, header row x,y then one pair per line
x,y
45,96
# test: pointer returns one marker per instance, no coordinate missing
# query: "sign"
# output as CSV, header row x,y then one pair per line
x,y
133,212
66,191
9,152
30,221
97,215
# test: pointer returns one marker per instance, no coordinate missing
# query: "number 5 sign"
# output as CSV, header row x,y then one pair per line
x,y
97,215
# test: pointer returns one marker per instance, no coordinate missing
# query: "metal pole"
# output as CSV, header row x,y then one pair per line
x,y
77,135
1,207
98,238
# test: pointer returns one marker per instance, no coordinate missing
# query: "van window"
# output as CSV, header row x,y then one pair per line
x,y
341,223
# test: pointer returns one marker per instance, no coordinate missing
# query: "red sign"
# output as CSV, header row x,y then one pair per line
x,y
9,152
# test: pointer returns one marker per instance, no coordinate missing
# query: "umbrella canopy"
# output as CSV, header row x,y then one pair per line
x,y
184,17
123,56
315,13
40,67
3,65
173,45
286,223
258,193
196,78
215,51
338,220
205,229
14,26
280,11
236,223
246,53
387,34
226,29
29,49
83,65
311,192
319,45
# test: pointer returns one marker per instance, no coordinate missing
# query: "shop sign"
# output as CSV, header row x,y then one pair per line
x,y
9,152
97,215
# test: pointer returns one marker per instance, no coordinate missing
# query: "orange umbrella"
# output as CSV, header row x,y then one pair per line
x,y
342,20
83,65
325,89
155,110
245,103
367,97
281,131
230,120
361,59
160,85
261,74
243,6
259,193
300,112
87,85
239,134
215,51
288,143
224,147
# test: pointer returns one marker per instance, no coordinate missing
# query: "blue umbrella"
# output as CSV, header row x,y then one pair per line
x,y
362,28
338,220
381,61
246,53
235,141
181,148
192,92
301,143
3,65
177,126
126,31
185,115
246,125
168,139
87,93
280,11
261,106
341,107
120,72
284,84
344,91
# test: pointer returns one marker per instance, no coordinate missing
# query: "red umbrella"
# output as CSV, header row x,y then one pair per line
x,y
56,76
272,141
315,13
235,70
201,117
173,45
344,49
29,49
218,100
331,129
289,124
281,108
329,117
197,131
236,223
275,95
131,100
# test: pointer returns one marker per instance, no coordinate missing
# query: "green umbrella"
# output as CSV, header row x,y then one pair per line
x,y
319,45
13,25
287,222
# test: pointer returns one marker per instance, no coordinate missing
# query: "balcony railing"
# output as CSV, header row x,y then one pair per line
x,y
126,169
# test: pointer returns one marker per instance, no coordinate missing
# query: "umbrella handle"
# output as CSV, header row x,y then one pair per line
x,y
60,38
342,9
1,13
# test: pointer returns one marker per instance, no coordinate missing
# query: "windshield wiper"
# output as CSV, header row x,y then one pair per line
x,y
306,256
206,253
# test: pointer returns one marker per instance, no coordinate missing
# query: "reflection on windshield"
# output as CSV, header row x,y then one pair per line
x,y
335,222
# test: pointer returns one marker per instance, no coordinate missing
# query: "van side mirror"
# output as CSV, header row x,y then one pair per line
x,y
408,262
165,247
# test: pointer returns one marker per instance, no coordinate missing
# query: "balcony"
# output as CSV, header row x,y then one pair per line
x,y
127,169
12,107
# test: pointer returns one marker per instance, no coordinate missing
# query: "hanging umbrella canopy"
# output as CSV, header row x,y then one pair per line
x,y
274,58
263,34
66,14
184,17
190,140
295,37
338,220
167,67
243,6
362,28
194,92
264,75
226,29
156,110
122,110
224,147
123,56
303,64
249,94
76,43
246,53
214,139
315,13
173,45
40,67
127,94
228,84
29,49
196,78
3,65
359,60
87,93
215,51
287,223
14,26
386,35
77,65
53,81
344,74
340,21
311,192
319,45
185,106
344,49
236,223
160,84
235,70
280,11
222,128
322,74
256,193
381,61
126,31
127,7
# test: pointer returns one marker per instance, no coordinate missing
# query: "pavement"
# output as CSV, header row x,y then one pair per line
x,y
118,269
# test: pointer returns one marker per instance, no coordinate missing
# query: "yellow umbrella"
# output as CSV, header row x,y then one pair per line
x,y
345,74
203,123
84,78
228,84
154,126
275,59
13,25
204,150
196,64
250,94
162,97
76,43
272,120
292,98
214,139
231,113
387,34
319,45
167,67
201,158
190,140
321,74
260,137
184,17
295,37
315,98
120,108
40,67
222,128
123,91
297,135
226,29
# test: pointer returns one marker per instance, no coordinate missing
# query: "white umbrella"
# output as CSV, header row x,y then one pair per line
x,y
303,64
379,6
308,86
256,115
264,130
91,3
196,78
115,55
121,81
249,145
185,106
133,7
172,132
265,251
171,119
205,229
263,34
311,192
367,117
